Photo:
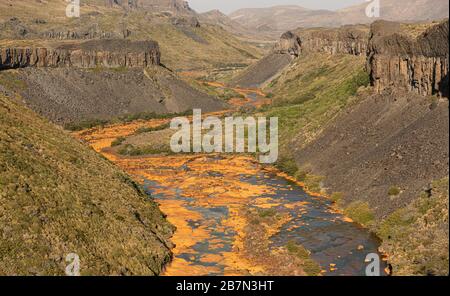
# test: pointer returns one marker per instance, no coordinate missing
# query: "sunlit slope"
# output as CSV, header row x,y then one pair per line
x,y
312,90
58,197
185,43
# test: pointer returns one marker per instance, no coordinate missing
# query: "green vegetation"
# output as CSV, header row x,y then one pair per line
x,y
287,165
309,95
131,150
309,266
118,141
313,183
150,115
336,197
394,191
87,124
416,237
360,212
224,93
301,175
144,129
267,213
58,196
11,81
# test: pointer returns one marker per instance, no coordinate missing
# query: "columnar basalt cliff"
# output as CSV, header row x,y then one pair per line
x,y
174,6
347,40
90,54
419,65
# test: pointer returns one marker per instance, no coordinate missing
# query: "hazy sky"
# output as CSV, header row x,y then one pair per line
x,y
228,6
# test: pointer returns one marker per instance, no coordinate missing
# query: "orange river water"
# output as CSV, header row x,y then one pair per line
x,y
204,196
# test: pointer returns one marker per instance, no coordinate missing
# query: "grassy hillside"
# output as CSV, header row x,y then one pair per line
x,y
58,197
416,236
311,92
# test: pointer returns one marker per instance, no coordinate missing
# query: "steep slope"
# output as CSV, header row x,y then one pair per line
x,y
279,19
75,81
216,17
380,153
58,197
77,95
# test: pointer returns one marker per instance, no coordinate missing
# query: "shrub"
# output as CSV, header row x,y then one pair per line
x,y
144,129
336,196
360,212
267,213
394,191
301,175
131,150
287,165
86,124
118,141
309,266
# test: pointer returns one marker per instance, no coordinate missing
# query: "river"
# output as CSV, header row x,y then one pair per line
x,y
237,217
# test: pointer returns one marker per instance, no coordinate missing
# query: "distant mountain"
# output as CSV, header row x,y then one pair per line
x,y
398,10
216,17
279,19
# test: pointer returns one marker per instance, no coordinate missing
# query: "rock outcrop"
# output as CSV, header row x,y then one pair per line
x,y
174,6
419,65
90,54
289,43
346,39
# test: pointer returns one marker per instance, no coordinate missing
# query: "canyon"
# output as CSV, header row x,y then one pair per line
x,y
417,64
363,133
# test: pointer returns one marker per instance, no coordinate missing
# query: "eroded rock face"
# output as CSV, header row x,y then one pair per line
x,y
90,54
175,6
419,65
347,40
289,43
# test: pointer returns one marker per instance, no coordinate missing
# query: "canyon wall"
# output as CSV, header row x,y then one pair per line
x,y
174,6
419,65
346,39
90,54
289,43
396,58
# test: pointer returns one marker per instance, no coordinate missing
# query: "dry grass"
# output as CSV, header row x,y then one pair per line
x,y
57,196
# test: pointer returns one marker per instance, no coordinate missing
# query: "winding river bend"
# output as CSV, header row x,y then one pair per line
x,y
237,217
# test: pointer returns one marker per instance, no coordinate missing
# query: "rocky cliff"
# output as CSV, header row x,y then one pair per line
x,y
410,57
347,39
89,54
174,6
289,43
418,64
